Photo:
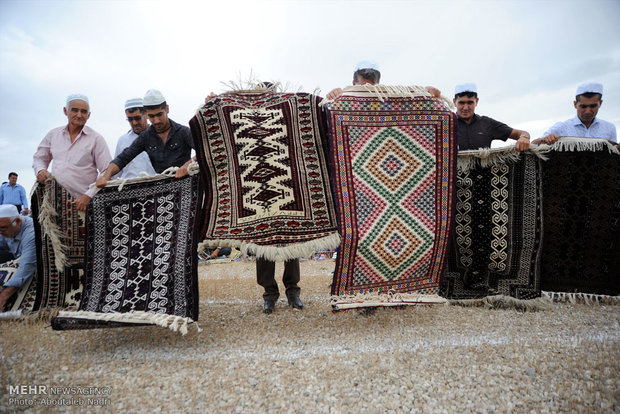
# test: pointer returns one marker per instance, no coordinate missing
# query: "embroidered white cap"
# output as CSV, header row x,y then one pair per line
x,y
366,64
134,103
589,87
465,87
8,211
75,97
153,97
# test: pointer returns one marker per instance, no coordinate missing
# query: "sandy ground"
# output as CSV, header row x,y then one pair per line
x,y
418,359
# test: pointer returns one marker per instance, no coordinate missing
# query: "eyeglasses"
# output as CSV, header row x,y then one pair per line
x,y
134,118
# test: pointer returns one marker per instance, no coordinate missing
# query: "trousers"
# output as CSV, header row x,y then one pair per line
x,y
265,276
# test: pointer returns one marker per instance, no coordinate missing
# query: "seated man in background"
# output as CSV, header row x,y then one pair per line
x,y
17,235
588,100
474,131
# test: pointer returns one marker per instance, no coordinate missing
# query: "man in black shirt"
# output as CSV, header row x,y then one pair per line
x,y
475,131
167,143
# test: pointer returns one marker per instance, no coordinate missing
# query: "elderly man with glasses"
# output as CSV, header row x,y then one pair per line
x,y
136,116
17,235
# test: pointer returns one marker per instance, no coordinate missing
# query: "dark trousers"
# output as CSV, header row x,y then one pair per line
x,y
265,272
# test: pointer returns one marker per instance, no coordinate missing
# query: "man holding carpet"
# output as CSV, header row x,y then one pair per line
x,y
136,116
78,152
588,100
474,131
167,143
367,73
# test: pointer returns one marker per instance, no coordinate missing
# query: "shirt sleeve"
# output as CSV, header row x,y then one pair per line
x,y
2,194
555,129
24,198
188,138
101,154
614,137
27,259
43,156
499,130
131,152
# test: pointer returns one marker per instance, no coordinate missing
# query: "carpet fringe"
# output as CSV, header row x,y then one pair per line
x,y
580,144
170,172
275,253
578,297
384,92
505,302
49,225
488,157
44,315
172,322
391,298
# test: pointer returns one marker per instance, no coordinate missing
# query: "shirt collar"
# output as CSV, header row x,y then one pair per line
x,y
577,122
473,119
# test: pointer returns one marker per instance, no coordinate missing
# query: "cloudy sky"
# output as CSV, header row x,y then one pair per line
x,y
527,57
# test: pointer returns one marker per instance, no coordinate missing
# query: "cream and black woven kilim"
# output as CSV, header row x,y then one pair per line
x,y
496,239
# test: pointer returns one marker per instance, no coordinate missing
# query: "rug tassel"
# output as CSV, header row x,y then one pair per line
x,y
581,144
273,253
505,302
577,297
173,322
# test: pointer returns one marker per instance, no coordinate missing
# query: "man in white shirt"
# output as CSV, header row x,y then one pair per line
x,y
136,116
588,100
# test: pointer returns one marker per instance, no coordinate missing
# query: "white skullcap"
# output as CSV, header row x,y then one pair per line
x,y
366,64
75,97
153,97
133,103
589,87
8,211
465,87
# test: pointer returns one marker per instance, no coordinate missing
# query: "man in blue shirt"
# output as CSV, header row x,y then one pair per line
x,y
17,233
588,100
13,193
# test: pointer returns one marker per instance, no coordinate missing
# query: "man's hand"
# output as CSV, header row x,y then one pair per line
x,y
81,202
433,91
42,176
5,294
334,93
25,211
523,143
549,139
211,96
102,181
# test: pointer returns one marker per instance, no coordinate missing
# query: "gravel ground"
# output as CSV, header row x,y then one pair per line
x,y
417,359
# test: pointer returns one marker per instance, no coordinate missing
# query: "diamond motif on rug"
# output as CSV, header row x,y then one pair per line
x,y
394,170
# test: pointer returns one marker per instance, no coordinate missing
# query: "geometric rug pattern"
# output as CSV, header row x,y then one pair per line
x,y
394,170
496,241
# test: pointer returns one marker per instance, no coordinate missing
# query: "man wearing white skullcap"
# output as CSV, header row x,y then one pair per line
x,y
367,73
78,153
167,143
17,235
474,131
136,116
588,100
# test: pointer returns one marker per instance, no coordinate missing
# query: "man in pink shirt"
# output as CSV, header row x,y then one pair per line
x,y
79,153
